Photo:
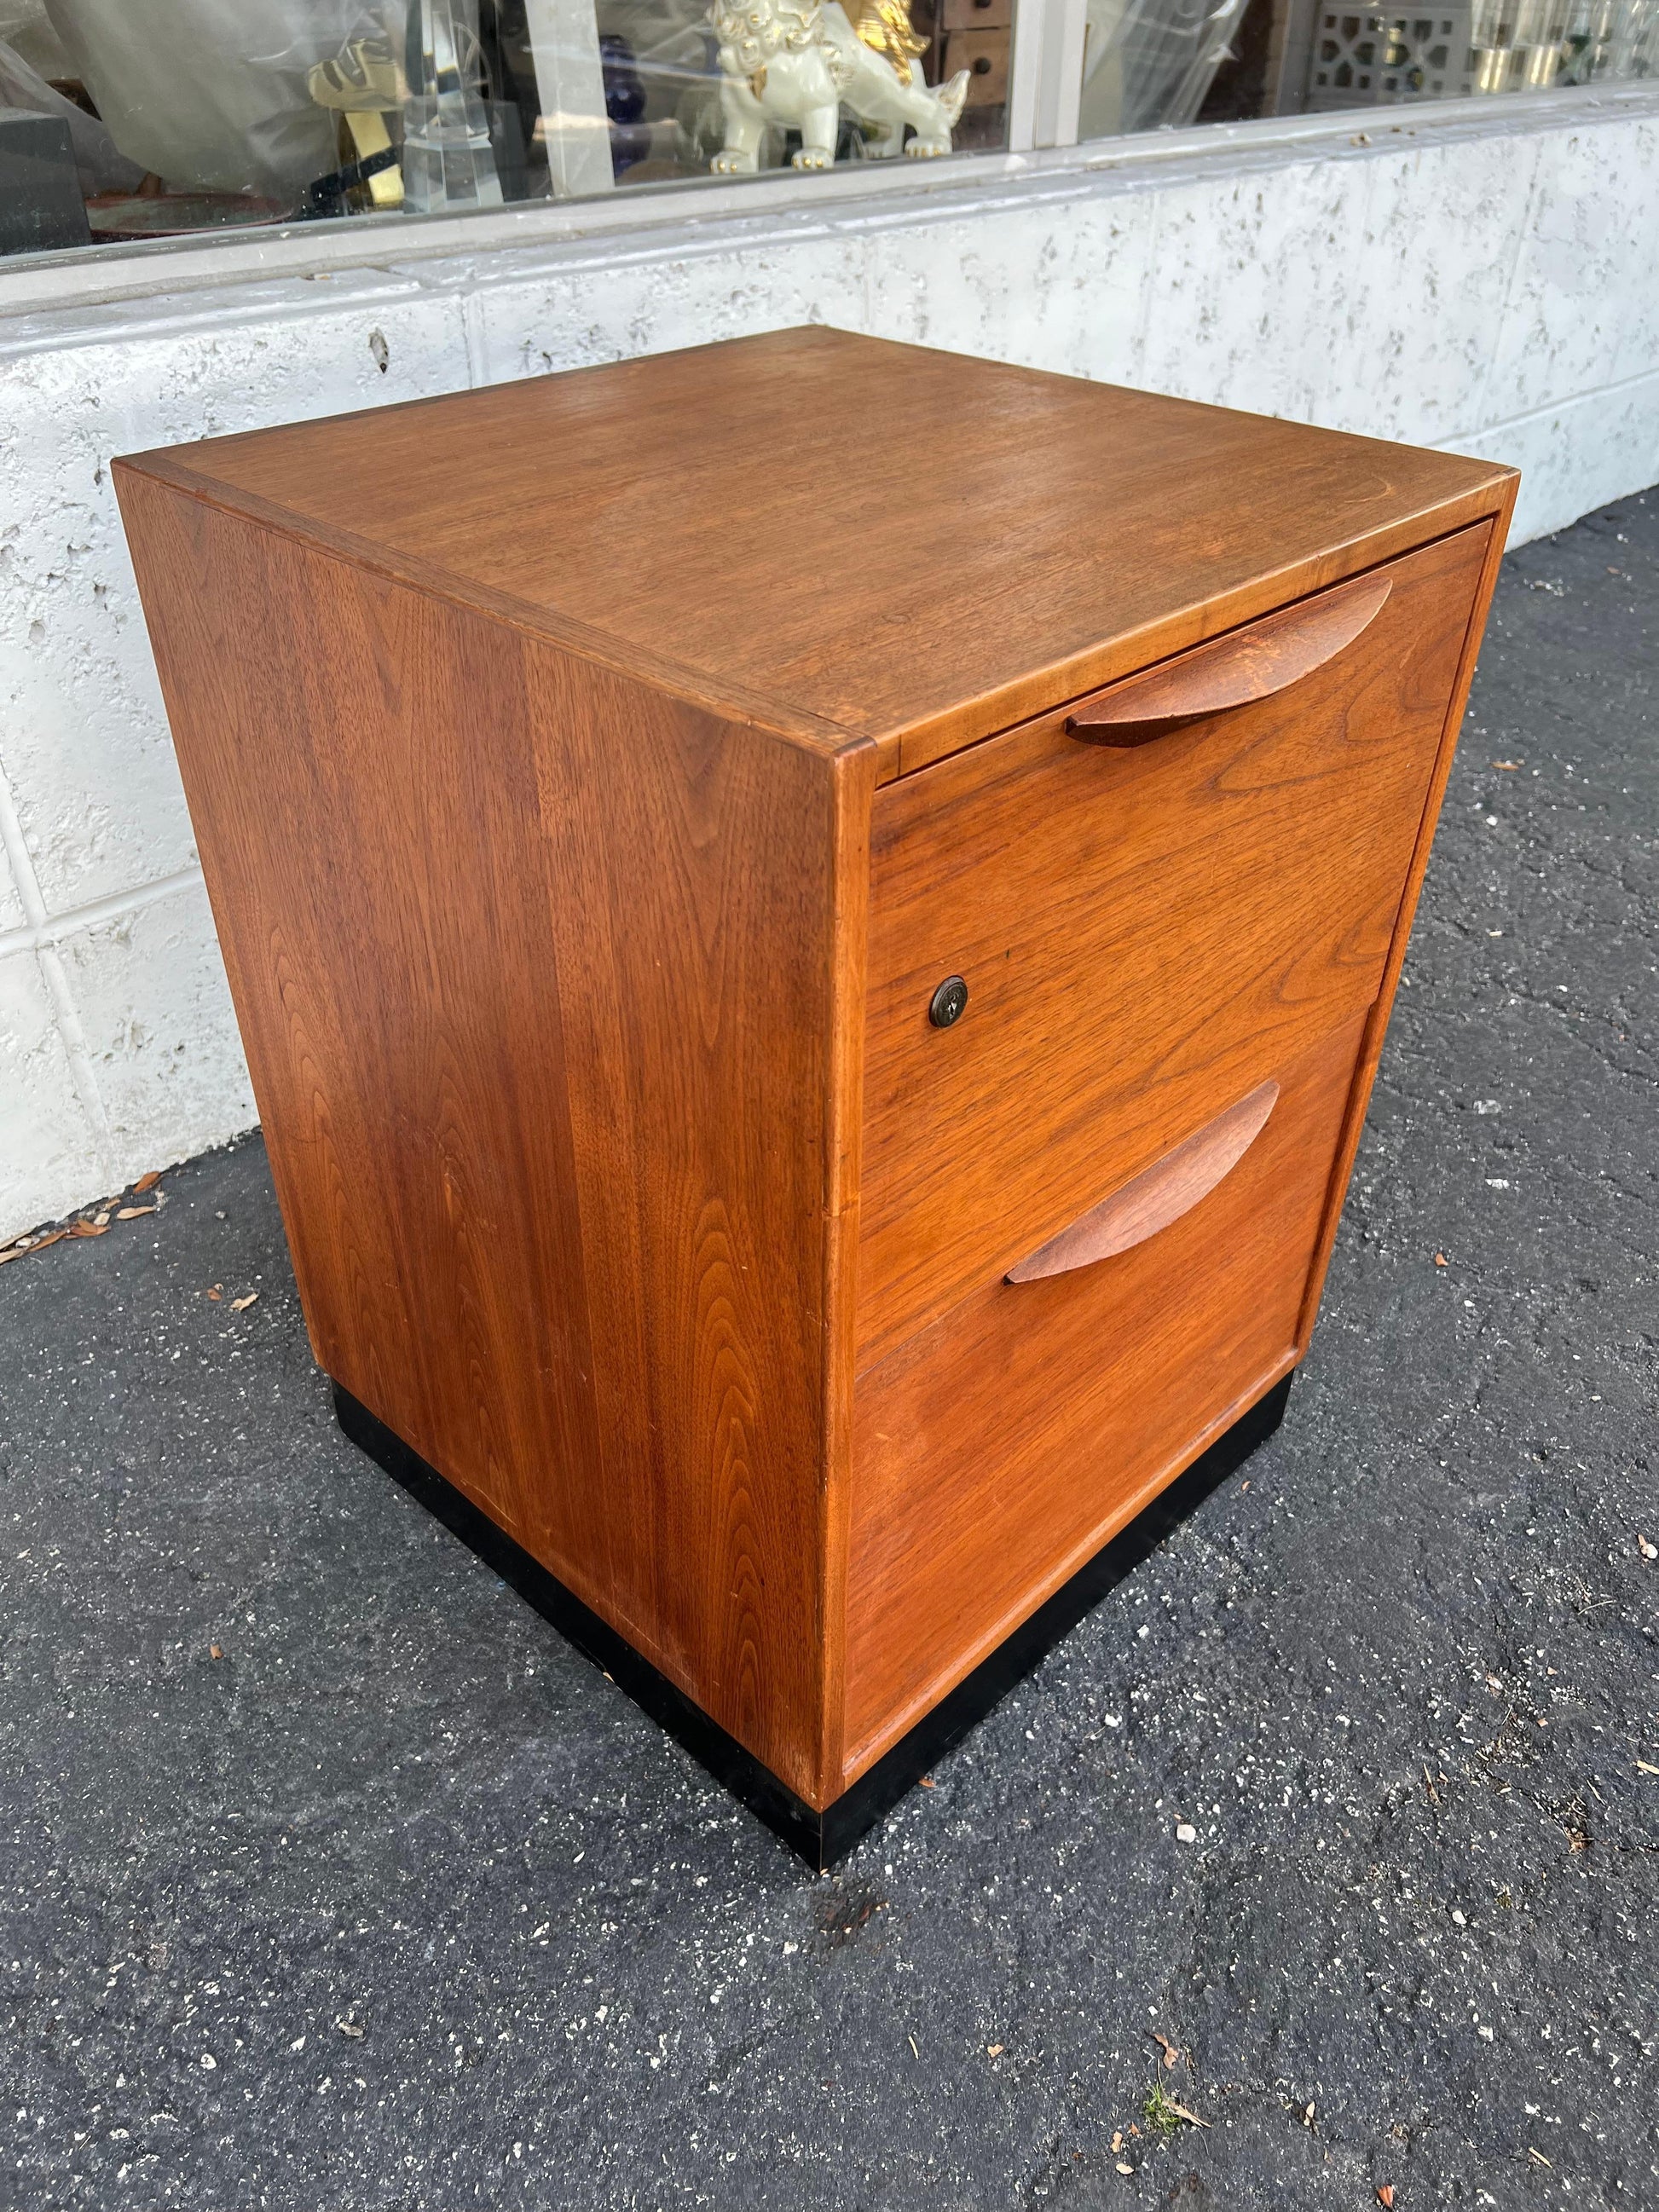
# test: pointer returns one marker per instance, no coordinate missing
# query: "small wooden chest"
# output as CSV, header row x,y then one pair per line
x,y
813,921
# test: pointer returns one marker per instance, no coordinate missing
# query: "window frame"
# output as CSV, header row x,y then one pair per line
x,y
1044,150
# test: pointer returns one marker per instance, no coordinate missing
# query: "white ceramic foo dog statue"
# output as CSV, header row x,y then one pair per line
x,y
798,63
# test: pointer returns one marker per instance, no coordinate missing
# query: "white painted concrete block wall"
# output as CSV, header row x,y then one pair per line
x,y
1494,291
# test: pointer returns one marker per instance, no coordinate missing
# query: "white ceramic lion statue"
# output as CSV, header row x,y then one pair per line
x,y
796,64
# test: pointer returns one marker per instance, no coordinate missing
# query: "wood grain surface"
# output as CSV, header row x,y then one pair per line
x,y
532,739
764,525
536,969
998,1448
1145,936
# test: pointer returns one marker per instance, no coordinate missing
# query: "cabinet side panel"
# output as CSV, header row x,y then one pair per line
x,y
706,903
534,969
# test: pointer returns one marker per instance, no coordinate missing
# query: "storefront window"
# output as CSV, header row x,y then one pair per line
x,y
124,120
128,119
1158,65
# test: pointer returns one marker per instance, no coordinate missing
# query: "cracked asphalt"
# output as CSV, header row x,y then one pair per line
x,y
330,1877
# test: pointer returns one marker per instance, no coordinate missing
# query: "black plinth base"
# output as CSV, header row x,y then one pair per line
x,y
822,1838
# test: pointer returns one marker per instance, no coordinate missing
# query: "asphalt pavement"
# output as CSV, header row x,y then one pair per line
x,y
1321,1862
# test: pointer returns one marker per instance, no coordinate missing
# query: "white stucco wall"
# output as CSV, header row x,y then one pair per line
x,y
1489,285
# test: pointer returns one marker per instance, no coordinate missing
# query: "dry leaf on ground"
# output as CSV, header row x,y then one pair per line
x,y
242,1305
132,1213
1192,2119
149,1182
39,1244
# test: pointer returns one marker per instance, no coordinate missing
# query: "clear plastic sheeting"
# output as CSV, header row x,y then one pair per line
x,y
210,95
99,166
1147,65
24,28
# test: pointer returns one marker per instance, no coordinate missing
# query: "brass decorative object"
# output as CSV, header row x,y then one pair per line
x,y
885,28
364,83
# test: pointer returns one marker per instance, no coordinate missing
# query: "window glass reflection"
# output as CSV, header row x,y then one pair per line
x,y
120,121
1161,64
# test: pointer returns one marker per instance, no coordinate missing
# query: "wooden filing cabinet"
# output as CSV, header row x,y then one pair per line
x,y
802,1104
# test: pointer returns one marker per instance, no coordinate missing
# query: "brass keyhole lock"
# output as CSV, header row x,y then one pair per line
x,y
948,1003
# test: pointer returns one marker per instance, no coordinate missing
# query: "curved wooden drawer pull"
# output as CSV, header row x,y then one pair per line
x,y
1236,671
1157,1197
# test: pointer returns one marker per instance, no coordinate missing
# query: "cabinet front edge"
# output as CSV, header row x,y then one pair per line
x,y
731,703
919,744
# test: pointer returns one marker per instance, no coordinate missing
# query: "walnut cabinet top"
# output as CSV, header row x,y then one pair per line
x,y
843,537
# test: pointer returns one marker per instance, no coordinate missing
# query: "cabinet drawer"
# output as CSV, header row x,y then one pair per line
x,y
978,15
984,55
997,1450
1145,933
